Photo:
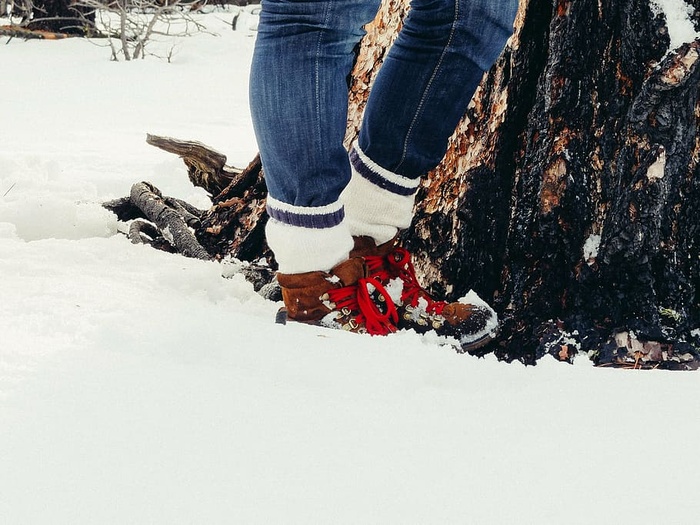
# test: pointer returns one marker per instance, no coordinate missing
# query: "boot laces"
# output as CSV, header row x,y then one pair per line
x,y
357,299
398,264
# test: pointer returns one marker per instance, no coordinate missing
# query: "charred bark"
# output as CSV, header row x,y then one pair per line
x,y
63,17
576,169
235,224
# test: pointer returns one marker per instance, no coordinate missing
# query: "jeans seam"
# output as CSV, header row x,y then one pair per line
x,y
317,66
428,86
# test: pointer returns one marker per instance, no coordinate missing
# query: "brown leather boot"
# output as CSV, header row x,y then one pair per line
x,y
343,298
470,320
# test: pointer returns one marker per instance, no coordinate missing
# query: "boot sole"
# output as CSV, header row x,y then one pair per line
x,y
478,343
282,318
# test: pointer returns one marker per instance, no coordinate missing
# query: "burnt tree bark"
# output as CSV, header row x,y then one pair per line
x,y
568,194
62,16
578,212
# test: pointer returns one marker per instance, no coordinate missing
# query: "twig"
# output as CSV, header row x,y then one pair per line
x,y
10,189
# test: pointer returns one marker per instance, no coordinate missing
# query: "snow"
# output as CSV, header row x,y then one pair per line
x,y
591,247
491,328
680,26
142,387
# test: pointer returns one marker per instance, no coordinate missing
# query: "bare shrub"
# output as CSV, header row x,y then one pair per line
x,y
130,26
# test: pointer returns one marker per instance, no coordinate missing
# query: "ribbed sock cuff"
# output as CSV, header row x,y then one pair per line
x,y
306,239
378,203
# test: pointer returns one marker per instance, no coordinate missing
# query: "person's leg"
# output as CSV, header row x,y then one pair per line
x,y
298,94
420,94
299,99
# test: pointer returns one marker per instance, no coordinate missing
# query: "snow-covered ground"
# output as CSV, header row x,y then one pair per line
x,y
138,387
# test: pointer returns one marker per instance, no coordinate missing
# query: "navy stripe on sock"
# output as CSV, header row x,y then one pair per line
x,y
375,178
307,220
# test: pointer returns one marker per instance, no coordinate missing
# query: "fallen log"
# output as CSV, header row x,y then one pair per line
x,y
31,34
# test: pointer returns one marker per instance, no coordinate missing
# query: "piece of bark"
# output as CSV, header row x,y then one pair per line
x,y
206,167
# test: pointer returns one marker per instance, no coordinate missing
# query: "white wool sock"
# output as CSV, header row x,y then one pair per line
x,y
378,203
307,238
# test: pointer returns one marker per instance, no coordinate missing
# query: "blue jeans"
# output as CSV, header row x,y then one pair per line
x,y
299,85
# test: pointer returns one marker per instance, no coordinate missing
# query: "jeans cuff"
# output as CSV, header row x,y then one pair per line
x,y
365,167
317,217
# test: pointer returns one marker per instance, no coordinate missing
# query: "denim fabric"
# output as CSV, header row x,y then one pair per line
x,y
299,84
428,79
298,94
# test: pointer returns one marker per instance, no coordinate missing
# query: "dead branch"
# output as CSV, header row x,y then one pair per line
x,y
206,168
149,200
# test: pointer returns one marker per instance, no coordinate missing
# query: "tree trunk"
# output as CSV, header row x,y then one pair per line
x,y
62,16
568,194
